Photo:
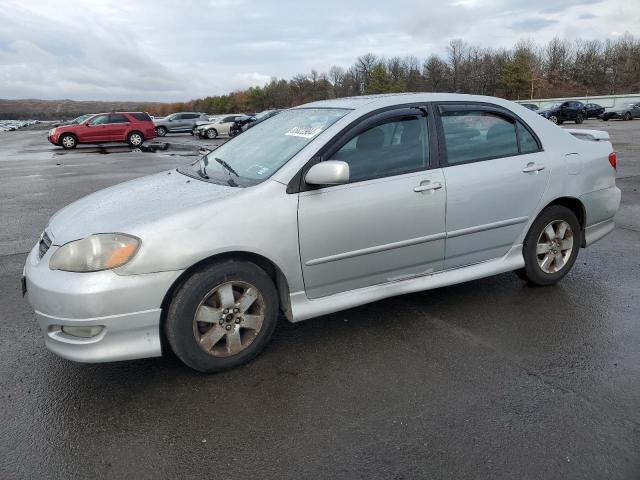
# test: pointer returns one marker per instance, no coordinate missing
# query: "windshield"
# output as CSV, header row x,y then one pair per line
x,y
553,105
258,153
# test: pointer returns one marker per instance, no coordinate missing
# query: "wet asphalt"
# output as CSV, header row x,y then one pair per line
x,y
487,379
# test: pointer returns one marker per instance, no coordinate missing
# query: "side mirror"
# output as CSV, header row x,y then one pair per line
x,y
331,172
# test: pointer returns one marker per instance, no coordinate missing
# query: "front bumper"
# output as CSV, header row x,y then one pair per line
x,y
54,139
127,307
609,115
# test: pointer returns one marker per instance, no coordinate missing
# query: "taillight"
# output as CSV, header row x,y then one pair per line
x,y
613,160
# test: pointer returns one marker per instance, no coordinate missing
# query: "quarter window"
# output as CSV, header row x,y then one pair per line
x,y
397,146
528,143
478,135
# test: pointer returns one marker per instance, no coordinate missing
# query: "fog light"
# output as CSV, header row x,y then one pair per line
x,y
83,331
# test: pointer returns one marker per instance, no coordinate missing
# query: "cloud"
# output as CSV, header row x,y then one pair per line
x,y
532,24
167,51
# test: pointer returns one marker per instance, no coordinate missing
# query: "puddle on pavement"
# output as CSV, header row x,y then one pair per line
x,y
166,148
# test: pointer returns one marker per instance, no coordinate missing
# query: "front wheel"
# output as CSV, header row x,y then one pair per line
x,y
551,246
222,316
68,141
211,134
579,118
553,119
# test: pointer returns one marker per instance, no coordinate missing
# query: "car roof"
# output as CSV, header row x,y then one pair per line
x,y
371,102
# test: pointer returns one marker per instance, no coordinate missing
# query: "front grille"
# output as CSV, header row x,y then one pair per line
x,y
43,245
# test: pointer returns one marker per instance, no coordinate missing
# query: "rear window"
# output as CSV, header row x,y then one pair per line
x,y
143,117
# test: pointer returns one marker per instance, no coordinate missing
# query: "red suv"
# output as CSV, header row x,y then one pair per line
x,y
131,127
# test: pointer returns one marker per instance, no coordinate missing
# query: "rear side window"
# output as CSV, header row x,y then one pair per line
x,y
397,146
143,117
478,135
118,118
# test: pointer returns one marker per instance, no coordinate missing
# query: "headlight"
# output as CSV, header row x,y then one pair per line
x,y
52,131
102,251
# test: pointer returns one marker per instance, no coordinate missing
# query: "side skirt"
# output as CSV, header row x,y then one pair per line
x,y
302,308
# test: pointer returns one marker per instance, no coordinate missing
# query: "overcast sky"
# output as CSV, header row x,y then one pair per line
x,y
170,51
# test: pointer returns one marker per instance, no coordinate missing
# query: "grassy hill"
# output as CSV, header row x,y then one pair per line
x,y
33,109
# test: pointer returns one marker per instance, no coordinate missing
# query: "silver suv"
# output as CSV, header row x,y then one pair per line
x,y
180,122
323,207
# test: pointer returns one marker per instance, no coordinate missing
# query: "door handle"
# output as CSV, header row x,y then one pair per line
x,y
427,187
532,167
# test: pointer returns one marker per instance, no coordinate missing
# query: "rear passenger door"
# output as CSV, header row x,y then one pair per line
x,y
496,173
118,127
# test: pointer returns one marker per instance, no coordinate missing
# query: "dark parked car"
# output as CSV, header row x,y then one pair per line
x,y
261,117
131,127
624,112
530,106
564,111
593,110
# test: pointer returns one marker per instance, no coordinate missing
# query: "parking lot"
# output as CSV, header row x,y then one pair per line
x,y
486,379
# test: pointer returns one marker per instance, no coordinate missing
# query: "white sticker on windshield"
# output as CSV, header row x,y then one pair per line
x,y
303,132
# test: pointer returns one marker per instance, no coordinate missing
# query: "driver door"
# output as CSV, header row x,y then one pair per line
x,y
388,223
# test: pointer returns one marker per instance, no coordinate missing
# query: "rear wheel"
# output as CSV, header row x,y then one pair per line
x,y
627,116
68,141
222,316
135,139
161,131
579,118
551,246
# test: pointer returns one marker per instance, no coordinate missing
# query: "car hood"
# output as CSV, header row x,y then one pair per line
x,y
127,207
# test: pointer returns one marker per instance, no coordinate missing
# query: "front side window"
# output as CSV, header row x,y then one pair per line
x,y
258,153
397,146
175,116
477,135
99,120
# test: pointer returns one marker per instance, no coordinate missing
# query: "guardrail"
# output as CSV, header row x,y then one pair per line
x,y
602,100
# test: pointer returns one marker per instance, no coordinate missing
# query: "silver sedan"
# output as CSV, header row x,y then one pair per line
x,y
323,207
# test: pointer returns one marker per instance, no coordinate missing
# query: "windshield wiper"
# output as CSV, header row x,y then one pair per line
x,y
226,166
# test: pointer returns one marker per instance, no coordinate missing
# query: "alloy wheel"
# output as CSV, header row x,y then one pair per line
x,y
68,141
554,119
229,318
135,139
554,247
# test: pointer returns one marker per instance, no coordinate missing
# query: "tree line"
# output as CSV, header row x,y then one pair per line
x,y
559,68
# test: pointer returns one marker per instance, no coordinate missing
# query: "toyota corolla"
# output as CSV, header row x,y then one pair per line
x,y
323,207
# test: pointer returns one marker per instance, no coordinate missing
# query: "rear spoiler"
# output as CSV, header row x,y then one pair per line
x,y
593,135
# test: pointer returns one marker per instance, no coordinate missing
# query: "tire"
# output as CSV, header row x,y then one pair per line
x,y
135,139
219,352
554,119
579,119
545,268
161,131
211,133
68,141
627,116
605,119
194,131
